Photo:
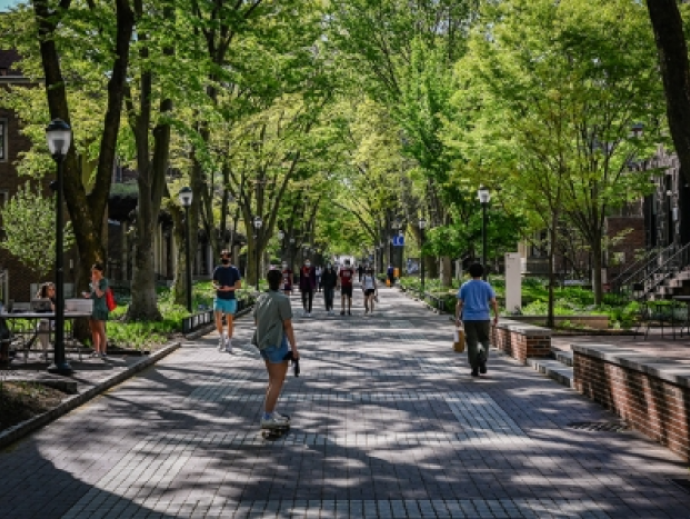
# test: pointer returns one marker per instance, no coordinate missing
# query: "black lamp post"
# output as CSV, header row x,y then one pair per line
x,y
422,226
185,197
381,249
59,136
258,222
484,196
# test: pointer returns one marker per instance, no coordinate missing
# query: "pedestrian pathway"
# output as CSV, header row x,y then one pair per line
x,y
386,421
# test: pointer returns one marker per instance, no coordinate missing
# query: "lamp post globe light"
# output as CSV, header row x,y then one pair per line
x,y
258,222
59,137
422,226
186,195
484,196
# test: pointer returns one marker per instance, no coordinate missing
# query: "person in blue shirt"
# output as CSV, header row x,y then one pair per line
x,y
225,280
391,274
473,313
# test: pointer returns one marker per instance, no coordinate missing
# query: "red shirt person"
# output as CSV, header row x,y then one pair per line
x,y
286,283
345,277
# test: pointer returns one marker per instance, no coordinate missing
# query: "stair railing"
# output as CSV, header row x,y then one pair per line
x,y
623,277
640,274
657,275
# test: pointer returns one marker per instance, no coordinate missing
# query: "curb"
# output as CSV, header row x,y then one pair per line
x,y
22,429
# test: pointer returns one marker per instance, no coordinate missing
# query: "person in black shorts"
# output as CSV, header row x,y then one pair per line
x,y
345,278
370,290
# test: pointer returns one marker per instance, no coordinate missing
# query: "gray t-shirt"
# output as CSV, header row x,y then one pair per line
x,y
270,310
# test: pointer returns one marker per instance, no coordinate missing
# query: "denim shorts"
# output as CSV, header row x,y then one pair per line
x,y
276,354
226,306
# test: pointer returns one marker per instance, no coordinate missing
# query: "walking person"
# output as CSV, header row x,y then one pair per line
x,y
345,277
391,275
307,284
360,271
286,284
273,318
370,290
472,311
99,312
329,280
46,291
319,273
226,280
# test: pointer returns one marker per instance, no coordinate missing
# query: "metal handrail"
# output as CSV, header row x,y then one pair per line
x,y
676,261
636,266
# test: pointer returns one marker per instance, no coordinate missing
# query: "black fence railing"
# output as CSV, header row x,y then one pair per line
x,y
205,317
437,302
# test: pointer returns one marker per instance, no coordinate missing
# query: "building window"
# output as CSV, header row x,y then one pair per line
x,y
3,140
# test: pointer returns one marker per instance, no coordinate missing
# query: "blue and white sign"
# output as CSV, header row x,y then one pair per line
x,y
398,241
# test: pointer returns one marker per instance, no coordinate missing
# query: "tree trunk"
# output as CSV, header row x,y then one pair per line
x,y
151,183
596,267
553,236
86,211
446,271
675,72
178,288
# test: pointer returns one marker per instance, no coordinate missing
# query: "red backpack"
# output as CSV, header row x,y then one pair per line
x,y
110,300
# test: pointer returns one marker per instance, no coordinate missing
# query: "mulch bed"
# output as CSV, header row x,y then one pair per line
x,y
20,401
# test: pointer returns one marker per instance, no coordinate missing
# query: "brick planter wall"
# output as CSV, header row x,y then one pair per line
x,y
652,394
521,340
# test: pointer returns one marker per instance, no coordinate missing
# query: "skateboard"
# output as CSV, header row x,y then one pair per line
x,y
273,433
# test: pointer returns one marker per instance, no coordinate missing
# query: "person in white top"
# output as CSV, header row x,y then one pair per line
x,y
370,290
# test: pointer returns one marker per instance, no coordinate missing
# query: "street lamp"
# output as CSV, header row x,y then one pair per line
x,y
258,222
59,136
422,226
381,249
185,197
484,196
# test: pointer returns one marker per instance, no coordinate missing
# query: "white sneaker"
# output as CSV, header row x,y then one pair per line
x,y
221,342
308,314
275,422
281,416
228,345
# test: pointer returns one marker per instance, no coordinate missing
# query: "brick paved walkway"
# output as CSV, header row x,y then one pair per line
x,y
387,422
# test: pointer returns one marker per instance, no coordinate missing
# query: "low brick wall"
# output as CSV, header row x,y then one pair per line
x,y
521,340
651,394
596,322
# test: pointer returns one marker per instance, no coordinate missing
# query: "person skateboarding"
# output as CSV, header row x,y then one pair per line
x,y
273,318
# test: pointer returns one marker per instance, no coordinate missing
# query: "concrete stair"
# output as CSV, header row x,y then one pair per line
x,y
559,368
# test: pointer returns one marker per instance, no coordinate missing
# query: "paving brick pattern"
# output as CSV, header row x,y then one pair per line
x,y
387,423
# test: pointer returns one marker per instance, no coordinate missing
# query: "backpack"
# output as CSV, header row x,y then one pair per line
x,y
110,300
